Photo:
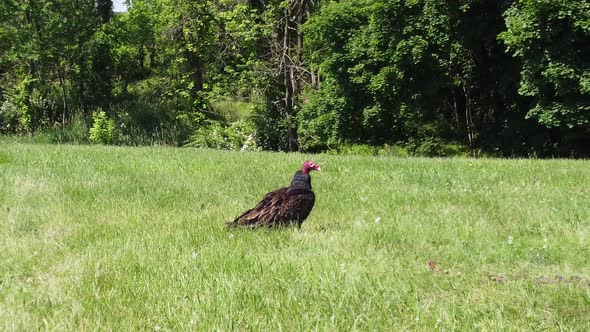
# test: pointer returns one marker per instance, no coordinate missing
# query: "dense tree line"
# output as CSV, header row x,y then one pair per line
x,y
400,76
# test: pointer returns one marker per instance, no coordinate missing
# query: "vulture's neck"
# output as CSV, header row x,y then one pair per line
x,y
301,181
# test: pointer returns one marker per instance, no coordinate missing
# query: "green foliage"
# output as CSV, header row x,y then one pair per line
x,y
103,130
271,126
320,117
100,82
416,72
14,110
19,113
51,49
419,75
186,39
239,135
376,78
551,38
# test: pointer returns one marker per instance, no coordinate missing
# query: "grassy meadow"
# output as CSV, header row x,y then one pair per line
x,y
116,238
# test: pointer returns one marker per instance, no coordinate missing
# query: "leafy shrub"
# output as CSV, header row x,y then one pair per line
x,y
10,117
103,129
16,111
238,135
271,127
554,57
319,122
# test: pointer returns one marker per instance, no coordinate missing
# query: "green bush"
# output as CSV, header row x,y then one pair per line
x,y
10,117
103,129
16,112
319,120
271,127
239,135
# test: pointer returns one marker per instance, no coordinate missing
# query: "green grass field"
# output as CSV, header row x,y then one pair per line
x,y
114,238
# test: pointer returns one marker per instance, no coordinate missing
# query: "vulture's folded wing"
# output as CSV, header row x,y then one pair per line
x,y
263,212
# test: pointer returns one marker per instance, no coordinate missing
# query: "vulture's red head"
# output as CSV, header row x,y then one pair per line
x,y
310,166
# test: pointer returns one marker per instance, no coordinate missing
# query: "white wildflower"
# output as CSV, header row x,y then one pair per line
x,y
546,243
510,239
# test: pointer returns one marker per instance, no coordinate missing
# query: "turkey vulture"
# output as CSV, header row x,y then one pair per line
x,y
284,206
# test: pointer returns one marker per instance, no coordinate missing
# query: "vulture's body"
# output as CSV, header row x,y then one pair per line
x,y
285,206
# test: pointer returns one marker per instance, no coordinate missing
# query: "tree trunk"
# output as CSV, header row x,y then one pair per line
x,y
455,108
469,119
105,10
196,68
314,76
288,79
62,83
290,42
32,70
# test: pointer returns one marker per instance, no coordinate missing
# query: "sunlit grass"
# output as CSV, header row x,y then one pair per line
x,y
134,239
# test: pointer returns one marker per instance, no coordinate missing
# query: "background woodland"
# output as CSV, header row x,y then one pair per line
x,y
413,77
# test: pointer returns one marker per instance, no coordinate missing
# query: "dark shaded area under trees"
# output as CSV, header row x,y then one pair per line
x,y
504,78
